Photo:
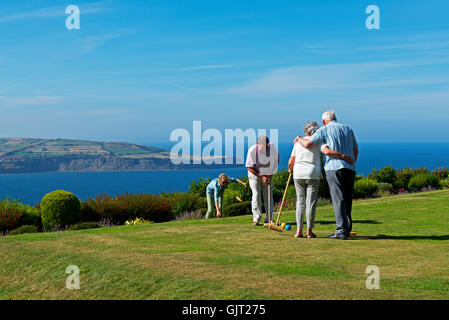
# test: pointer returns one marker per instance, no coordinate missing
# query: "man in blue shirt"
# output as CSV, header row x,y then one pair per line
x,y
340,174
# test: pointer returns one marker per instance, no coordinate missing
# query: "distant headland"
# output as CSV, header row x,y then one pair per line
x,y
25,155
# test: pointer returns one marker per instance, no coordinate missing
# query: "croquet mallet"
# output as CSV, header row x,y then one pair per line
x,y
283,199
271,225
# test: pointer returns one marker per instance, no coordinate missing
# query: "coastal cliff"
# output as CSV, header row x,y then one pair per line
x,y
20,155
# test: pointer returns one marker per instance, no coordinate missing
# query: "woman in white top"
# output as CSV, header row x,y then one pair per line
x,y
306,167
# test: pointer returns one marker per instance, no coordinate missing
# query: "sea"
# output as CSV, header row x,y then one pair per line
x,y
31,187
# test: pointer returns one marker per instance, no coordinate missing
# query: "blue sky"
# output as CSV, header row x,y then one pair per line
x,y
136,70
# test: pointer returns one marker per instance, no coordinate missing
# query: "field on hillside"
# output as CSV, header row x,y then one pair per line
x,y
406,236
30,148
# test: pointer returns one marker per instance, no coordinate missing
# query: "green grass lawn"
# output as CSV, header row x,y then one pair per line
x,y
406,236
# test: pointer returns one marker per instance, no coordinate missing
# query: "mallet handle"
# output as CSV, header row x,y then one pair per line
x,y
283,199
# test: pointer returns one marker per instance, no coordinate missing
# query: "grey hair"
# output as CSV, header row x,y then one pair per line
x,y
263,140
311,127
329,115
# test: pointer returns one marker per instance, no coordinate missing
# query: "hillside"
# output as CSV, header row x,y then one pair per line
x,y
40,155
406,236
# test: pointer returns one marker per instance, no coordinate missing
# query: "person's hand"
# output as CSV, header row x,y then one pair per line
x,y
290,169
264,179
218,214
348,159
296,139
245,184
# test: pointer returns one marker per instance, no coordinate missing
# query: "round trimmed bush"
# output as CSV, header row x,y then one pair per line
x,y
365,187
60,208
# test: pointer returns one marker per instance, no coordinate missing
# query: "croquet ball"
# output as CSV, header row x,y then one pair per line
x,y
287,227
283,225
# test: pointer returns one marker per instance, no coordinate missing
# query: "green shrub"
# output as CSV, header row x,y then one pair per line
x,y
230,197
278,184
30,216
11,210
291,193
444,184
59,208
198,186
385,187
403,177
84,225
423,180
365,187
25,229
181,202
386,175
237,209
121,208
137,221
441,173
372,175
246,194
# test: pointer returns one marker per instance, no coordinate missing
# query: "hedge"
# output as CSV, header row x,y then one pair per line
x,y
129,206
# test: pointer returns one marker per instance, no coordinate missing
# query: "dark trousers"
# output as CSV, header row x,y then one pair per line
x,y
341,186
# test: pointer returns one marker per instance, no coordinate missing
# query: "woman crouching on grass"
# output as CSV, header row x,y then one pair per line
x,y
214,193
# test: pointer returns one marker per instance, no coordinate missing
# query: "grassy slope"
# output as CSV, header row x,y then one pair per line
x,y
406,236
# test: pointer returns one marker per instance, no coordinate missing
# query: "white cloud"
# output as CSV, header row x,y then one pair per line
x,y
311,78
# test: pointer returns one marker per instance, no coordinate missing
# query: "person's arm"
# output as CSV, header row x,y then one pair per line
x,y
318,137
355,148
306,143
335,154
251,163
218,210
291,163
241,182
217,207
257,174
